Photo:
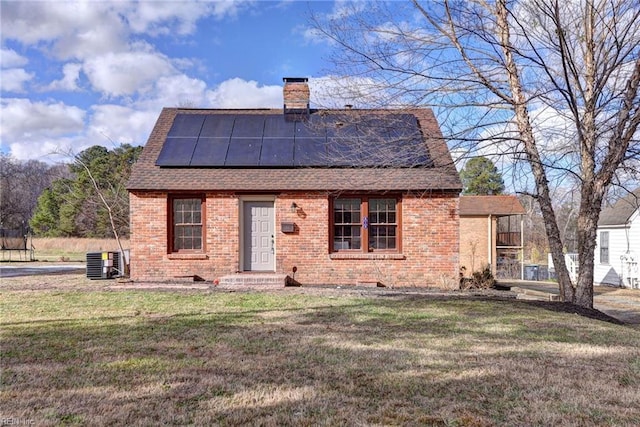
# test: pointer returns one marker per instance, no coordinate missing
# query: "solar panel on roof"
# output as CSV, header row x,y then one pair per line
x,y
218,126
186,125
248,126
268,140
311,152
403,126
313,127
275,126
341,128
210,152
177,152
345,152
277,152
243,152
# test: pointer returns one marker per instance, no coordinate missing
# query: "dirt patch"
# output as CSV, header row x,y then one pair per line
x,y
564,307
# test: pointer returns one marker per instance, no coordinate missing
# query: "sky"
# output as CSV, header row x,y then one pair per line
x,y
77,74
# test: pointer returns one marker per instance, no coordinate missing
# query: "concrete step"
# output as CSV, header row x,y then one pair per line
x,y
529,294
254,281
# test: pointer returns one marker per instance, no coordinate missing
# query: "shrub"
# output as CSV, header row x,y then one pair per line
x,y
482,279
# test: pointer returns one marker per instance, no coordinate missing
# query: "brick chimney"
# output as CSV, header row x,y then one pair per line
x,y
296,96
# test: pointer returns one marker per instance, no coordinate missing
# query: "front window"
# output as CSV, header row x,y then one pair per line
x,y
346,224
604,247
186,218
382,224
365,224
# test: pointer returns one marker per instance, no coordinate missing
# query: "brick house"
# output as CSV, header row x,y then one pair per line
x,y
491,233
342,196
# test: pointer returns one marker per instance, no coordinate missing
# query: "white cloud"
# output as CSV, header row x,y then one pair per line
x,y
9,58
47,150
79,29
120,125
13,80
229,8
70,29
52,131
25,121
69,81
123,74
346,8
179,91
239,93
87,42
172,17
311,35
20,21
167,17
336,92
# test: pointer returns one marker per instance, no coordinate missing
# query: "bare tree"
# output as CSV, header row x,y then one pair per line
x,y
549,87
21,183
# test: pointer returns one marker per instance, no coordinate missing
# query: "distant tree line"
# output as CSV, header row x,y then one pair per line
x,y
62,200
20,185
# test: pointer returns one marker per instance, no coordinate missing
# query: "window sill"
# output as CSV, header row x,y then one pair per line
x,y
187,256
370,256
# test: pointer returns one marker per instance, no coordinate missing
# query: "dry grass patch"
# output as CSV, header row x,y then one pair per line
x,y
290,358
72,248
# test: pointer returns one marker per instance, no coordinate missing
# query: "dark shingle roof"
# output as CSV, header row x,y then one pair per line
x,y
621,211
490,205
438,173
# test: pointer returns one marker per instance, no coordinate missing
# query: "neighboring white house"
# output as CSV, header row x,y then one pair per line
x,y
618,243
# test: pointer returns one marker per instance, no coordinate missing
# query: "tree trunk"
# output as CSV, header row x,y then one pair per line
x,y
525,129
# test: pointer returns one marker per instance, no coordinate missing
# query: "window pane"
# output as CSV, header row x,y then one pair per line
x,y
346,237
382,211
382,237
347,211
382,233
604,247
347,228
187,224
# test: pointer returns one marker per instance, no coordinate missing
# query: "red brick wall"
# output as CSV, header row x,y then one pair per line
x,y
430,242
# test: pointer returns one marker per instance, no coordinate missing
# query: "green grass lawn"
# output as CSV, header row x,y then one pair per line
x,y
292,358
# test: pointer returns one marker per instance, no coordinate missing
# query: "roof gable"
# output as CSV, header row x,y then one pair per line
x,y
621,211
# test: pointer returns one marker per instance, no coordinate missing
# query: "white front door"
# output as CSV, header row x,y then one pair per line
x,y
259,238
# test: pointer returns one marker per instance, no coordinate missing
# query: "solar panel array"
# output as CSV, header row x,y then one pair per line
x,y
270,140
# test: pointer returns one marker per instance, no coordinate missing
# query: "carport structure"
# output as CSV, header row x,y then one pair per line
x,y
492,233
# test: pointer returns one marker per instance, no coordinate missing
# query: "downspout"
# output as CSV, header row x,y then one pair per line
x,y
522,248
627,230
490,244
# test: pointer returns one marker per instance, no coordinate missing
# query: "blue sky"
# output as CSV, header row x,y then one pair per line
x,y
77,74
